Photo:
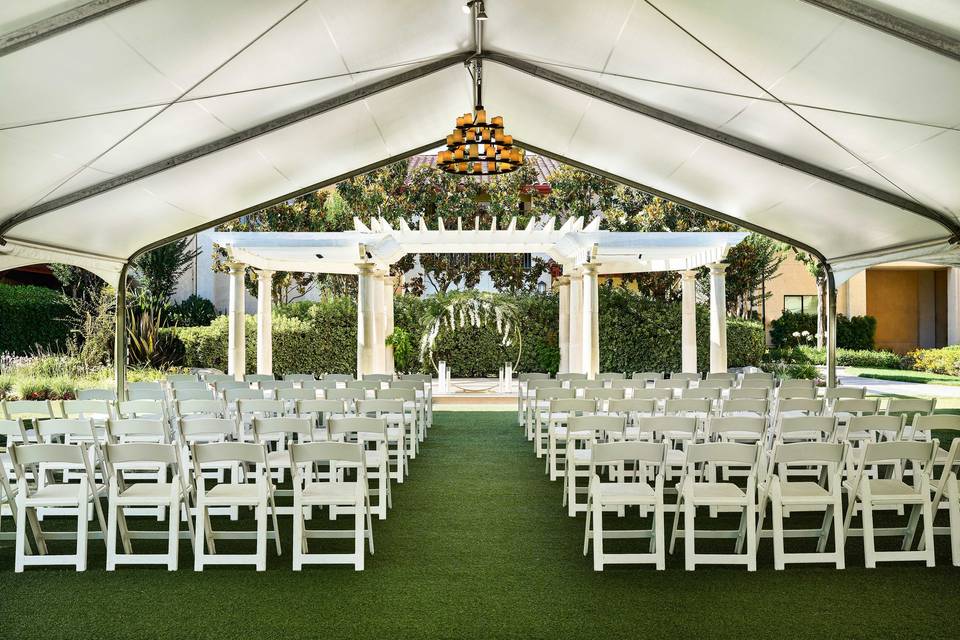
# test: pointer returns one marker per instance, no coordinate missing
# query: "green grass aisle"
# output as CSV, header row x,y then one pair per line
x,y
478,546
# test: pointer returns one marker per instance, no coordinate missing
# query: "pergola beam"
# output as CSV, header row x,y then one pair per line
x,y
59,23
310,111
893,25
703,131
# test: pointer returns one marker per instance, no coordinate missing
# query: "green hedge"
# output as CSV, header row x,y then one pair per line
x,y
855,332
845,357
33,318
636,334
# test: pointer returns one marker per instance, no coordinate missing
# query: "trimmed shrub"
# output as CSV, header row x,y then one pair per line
x,y
945,360
856,333
845,357
33,319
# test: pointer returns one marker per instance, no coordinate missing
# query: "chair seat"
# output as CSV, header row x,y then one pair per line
x,y
278,459
797,492
634,433
61,493
230,493
152,492
331,493
624,493
715,493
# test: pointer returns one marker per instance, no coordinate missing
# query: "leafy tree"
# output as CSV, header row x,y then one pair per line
x,y
77,282
751,263
317,211
158,271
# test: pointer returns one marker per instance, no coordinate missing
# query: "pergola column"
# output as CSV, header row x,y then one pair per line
x,y
688,333
718,317
563,289
379,323
590,338
265,321
575,333
388,291
237,340
366,313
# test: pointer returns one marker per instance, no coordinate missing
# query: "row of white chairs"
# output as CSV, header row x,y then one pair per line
x,y
67,467
806,464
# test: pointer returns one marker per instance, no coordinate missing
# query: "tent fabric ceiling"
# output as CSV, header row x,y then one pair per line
x,y
162,115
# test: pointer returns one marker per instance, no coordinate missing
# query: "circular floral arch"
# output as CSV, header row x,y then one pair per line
x,y
475,310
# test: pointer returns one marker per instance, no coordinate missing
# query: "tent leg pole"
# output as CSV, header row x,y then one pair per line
x,y
120,335
831,327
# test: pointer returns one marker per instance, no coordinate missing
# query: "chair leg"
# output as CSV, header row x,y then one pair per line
x,y
261,516
928,533
869,554
954,506
358,535
776,512
597,507
751,535
82,528
173,536
199,537
658,539
298,537
689,535
586,525
112,535
839,536
21,537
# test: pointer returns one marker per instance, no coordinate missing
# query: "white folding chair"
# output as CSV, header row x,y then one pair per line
x,y
745,407
869,494
541,392
409,399
648,377
603,397
300,378
167,492
426,388
398,428
748,393
910,408
697,492
319,411
633,409
946,492
12,432
210,430
581,432
784,493
522,380
73,496
373,432
258,495
335,493
559,413
626,490
97,394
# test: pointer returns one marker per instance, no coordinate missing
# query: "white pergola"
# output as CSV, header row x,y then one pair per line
x,y
585,252
831,125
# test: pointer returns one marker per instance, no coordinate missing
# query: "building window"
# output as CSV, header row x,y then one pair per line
x,y
800,304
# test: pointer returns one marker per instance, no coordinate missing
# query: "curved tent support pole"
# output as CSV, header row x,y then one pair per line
x,y
120,335
831,326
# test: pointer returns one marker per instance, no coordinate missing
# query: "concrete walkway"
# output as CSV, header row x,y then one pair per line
x,y
888,387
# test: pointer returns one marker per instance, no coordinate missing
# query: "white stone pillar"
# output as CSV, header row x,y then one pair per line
x,y
688,334
574,339
236,338
953,305
265,322
379,324
563,290
365,319
389,283
590,360
718,318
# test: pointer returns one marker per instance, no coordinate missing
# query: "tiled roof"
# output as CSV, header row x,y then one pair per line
x,y
543,166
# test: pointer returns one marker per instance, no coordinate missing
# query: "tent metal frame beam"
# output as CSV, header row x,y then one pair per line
x,y
310,111
707,211
59,23
893,25
721,137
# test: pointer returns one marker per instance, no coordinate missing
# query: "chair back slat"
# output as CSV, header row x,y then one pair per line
x,y
213,452
649,453
311,452
26,454
149,452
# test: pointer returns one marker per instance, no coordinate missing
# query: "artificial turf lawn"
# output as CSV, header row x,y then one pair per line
x,y
477,545
903,375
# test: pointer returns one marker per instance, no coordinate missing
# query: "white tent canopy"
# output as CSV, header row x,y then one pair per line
x,y
829,123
